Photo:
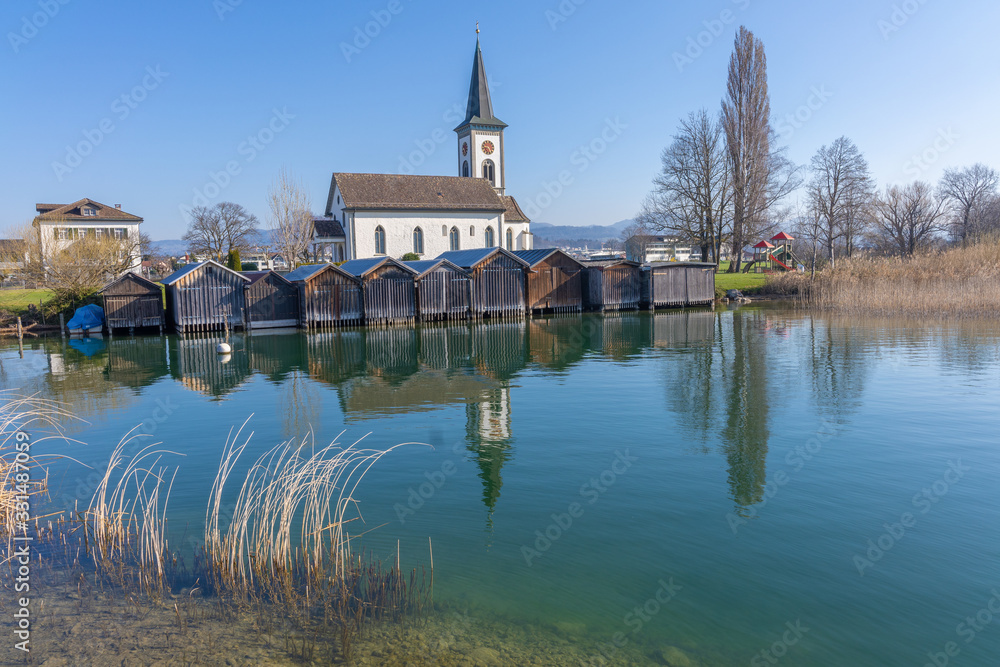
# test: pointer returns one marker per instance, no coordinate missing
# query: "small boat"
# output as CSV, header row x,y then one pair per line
x,y
86,320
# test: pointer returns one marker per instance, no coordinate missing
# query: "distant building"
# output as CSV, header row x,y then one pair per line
x,y
59,225
652,249
373,215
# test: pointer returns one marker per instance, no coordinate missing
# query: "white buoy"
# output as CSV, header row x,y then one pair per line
x,y
223,348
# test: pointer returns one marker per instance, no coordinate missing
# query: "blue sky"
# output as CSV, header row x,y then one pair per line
x,y
912,83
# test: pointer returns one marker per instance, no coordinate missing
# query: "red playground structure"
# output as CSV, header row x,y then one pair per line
x,y
768,257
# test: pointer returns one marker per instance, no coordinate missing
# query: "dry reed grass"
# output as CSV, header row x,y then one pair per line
x,y
960,282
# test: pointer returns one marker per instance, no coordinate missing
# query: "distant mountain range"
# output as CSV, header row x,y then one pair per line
x,y
574,236
546,235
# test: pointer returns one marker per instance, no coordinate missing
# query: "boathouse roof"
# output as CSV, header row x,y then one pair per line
x,y
470,258
362,267
196,266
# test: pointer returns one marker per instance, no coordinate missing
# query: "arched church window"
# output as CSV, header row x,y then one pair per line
x,y
465,168
510,239
490,241
379,240
472,230
444,230
489,171
418,241
453,239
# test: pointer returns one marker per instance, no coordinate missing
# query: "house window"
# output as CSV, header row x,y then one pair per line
x,y
99,232
87,211
418,241
510,239
379,240
490,241
453,239
465,168
489,171
121,233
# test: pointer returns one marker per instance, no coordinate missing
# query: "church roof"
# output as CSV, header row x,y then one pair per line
x,y
479,110
514,212
59,212
403,192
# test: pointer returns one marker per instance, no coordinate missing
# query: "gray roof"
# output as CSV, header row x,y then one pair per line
x,y
255,276
190,268
660,265
479,110
402,192
470,258
422,266
309,271
604,263
135,277
534,256
361,267
327,227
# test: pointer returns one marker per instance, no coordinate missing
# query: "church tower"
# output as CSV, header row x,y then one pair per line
x,y
480,135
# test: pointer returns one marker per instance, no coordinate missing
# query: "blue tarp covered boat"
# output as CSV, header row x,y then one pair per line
x,y
86,319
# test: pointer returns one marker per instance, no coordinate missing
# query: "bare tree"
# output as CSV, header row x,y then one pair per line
x,y
635,239
691,195
291,219
220,229
908,218
746,113
967,191
840,193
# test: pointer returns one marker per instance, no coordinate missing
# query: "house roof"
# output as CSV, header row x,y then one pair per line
x,y
255,276
133,277
467,259
362,267
404,192
514,212
190,268
310,271
423,266
59,212
13,246
327,227
479,110
534,256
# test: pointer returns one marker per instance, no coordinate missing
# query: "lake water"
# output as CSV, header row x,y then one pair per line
x,y
747,486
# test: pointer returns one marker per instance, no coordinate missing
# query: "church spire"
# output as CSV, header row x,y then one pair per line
x,y
480,107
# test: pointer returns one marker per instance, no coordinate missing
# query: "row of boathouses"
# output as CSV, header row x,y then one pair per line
x,y
484,283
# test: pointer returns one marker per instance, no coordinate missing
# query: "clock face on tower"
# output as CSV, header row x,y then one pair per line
x,y
488,147
465,148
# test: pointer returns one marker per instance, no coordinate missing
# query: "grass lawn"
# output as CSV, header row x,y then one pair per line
x,y
17,300
745,282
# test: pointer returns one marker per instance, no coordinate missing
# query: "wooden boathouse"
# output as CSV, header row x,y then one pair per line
x,y
498,280
272,301
554,281
328,296
612,284
672,284
133,302
387,289
205,296
444,290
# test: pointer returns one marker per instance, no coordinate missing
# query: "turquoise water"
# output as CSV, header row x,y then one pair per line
x,y
705,480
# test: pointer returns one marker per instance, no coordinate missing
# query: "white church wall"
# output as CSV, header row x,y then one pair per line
x,y
436,226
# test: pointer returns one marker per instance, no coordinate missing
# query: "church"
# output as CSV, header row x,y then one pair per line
x,y
371,215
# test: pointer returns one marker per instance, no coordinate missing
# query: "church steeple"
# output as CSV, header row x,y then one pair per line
x,y
480,135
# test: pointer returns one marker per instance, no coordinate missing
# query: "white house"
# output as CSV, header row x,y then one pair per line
x,y
369,215
59,225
